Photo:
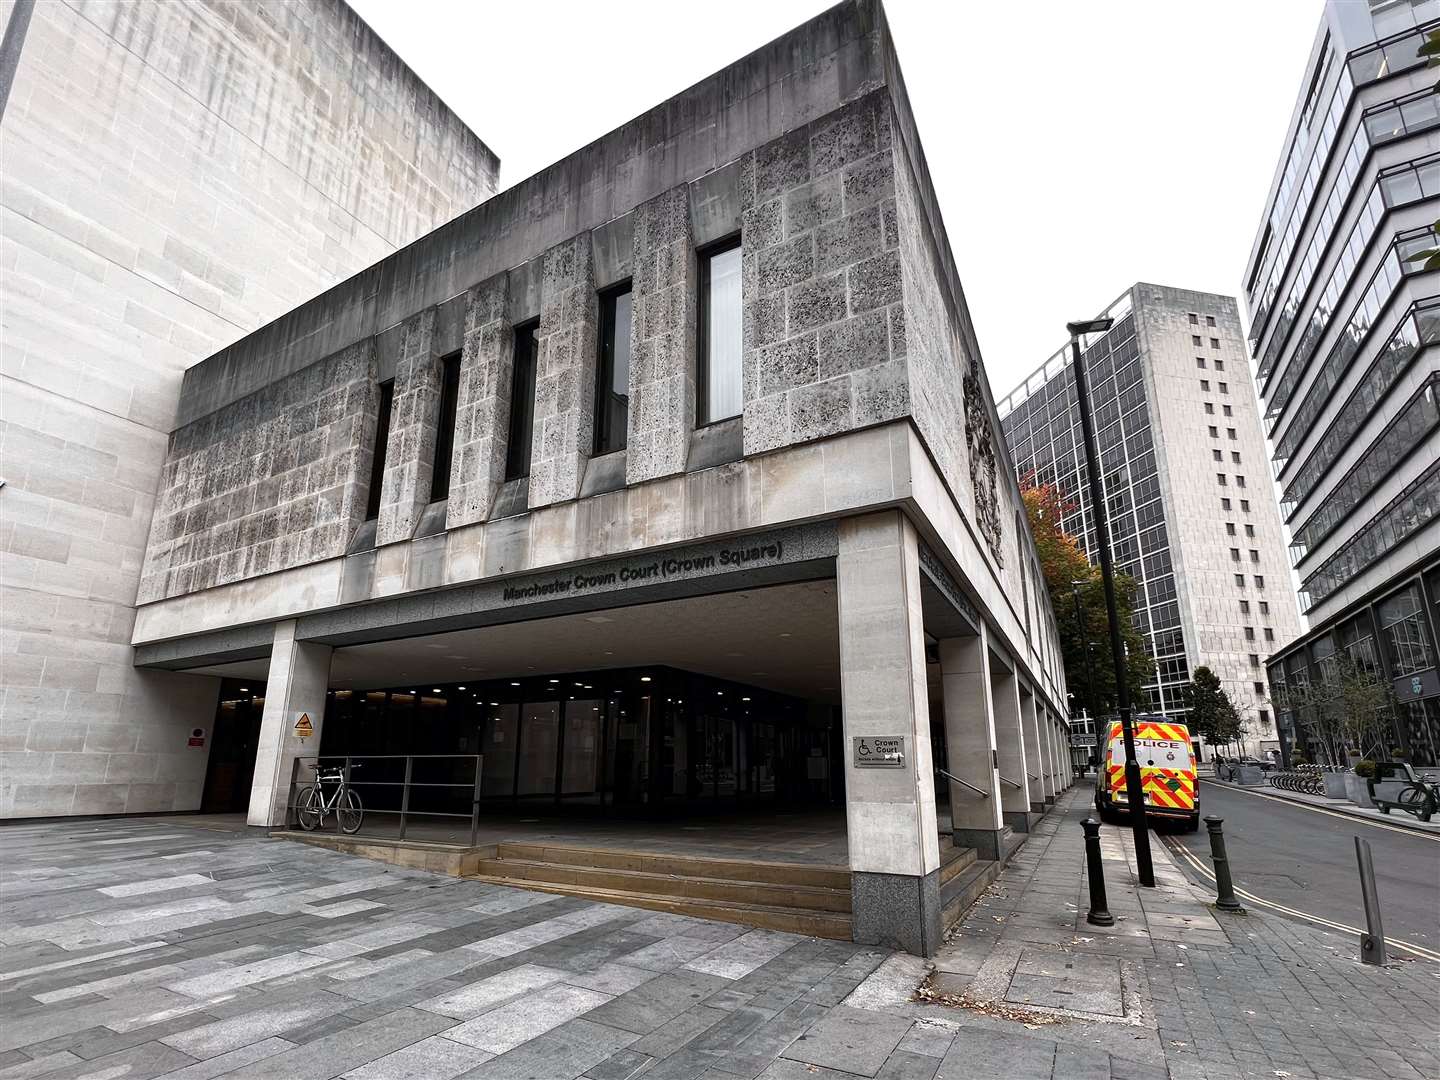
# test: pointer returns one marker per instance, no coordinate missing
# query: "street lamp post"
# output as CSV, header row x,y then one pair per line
x,y
1134,788
1085,645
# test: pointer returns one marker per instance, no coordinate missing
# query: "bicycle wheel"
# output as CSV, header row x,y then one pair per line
x,y
1415,799
351,812
309,809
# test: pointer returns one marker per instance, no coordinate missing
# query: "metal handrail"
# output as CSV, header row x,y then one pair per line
x,y
1012,783
1032,776
472,785
963,783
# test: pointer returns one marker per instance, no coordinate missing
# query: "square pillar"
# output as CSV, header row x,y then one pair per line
x,y
1033,716
482,407
890,811
1055,755
299,677
414,422
1010,745
976,820
564,427
1049,781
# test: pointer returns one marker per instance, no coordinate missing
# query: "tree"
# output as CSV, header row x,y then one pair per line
x,y
1348,708
1072,582
1212,714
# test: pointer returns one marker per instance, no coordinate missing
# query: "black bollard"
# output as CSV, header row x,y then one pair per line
x,y
1225,898
1099,907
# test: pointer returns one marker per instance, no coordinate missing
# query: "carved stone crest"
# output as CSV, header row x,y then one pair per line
x,y
983,468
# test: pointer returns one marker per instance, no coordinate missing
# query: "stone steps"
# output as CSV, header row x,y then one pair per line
x,y
779,873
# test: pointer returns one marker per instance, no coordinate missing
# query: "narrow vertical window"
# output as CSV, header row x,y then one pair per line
x,y
721,392
612,387
445,434
522,401
377,459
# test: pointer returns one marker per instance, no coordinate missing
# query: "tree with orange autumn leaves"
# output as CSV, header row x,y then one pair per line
x,y
1092,684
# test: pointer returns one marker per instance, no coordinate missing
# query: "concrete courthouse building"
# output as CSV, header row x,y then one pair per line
x,y
668,481
175,175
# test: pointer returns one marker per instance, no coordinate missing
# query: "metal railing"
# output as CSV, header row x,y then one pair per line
x,y
963,783
393,797
1012,783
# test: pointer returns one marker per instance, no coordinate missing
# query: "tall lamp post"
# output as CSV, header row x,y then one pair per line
x,y
1134,788
1080,630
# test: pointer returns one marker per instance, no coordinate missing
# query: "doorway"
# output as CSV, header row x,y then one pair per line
x,y
233,741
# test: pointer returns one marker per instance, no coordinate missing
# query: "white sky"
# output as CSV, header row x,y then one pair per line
x,y
1076,146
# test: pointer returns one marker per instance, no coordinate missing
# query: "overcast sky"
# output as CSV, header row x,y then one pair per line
x,y
1076,146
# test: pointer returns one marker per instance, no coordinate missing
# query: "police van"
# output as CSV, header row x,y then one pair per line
x,y
1167,773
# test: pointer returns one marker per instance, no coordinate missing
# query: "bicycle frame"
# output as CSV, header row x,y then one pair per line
x,y
333,803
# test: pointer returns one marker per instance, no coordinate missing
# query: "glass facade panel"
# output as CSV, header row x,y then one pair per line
x,y
1418,329
721,390
539,743
522,402
1402,623
612,390
445,432
377,458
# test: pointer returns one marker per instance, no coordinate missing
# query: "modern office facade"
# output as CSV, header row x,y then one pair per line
x,y
1344,321
176,175
1192,516
667,479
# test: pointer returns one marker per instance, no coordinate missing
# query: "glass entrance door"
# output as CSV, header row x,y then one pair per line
x,y
539,746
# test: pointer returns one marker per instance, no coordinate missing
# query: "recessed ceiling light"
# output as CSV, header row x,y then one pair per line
x,y
744,699
784,635
460,688
244,689
580,684
644,678
719,693
495,703
435,690
514,684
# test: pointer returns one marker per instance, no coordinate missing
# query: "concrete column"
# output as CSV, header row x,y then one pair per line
x,y
1046,788
414,422
299,676
1061,739
970,744
1032,716
1052,773
890,812
1010,743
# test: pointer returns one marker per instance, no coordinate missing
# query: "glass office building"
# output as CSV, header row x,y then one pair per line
x,y
1191,517
1344,320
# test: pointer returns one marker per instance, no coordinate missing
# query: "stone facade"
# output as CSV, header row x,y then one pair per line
x,y
221,163
564,373
477,466
277,481
414,420
824,322
662,339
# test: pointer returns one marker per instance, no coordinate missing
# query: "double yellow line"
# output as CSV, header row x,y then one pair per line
x,y
1184,853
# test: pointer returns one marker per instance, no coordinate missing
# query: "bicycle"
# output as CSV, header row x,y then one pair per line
x,y
312,807
1420,797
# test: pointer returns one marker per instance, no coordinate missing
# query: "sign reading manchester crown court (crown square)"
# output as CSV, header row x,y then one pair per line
x,y
878,751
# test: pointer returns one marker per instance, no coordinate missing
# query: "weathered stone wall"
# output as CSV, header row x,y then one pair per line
x,y
564,373
824,323
662,338
414,420
277,480
176,175
482,409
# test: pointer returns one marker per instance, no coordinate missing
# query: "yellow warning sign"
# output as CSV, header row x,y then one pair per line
x,y
303,728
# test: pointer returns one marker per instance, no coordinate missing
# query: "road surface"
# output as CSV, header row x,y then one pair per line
x,y
1305,860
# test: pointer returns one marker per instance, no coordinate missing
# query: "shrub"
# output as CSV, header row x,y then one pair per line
x,y
1365,768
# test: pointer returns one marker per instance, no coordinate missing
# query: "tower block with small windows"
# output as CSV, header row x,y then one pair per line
x,y
1194,521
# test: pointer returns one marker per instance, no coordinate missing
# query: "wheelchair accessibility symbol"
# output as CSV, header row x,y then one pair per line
x,y
878,751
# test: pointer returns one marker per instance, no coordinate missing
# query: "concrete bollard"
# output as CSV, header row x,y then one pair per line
x,y
1099,907
1225,898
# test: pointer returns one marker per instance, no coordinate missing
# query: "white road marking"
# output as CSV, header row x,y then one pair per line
x,y
1324,810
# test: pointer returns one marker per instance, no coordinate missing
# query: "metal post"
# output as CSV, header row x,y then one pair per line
x,y
1225,898
1134,787
405,793
1372,943
290,799
1099,906
347,784
475,802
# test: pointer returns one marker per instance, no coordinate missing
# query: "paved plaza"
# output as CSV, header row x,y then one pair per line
x,y
149,947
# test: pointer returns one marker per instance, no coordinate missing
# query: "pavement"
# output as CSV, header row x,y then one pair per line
x,y
139,948
1303,857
